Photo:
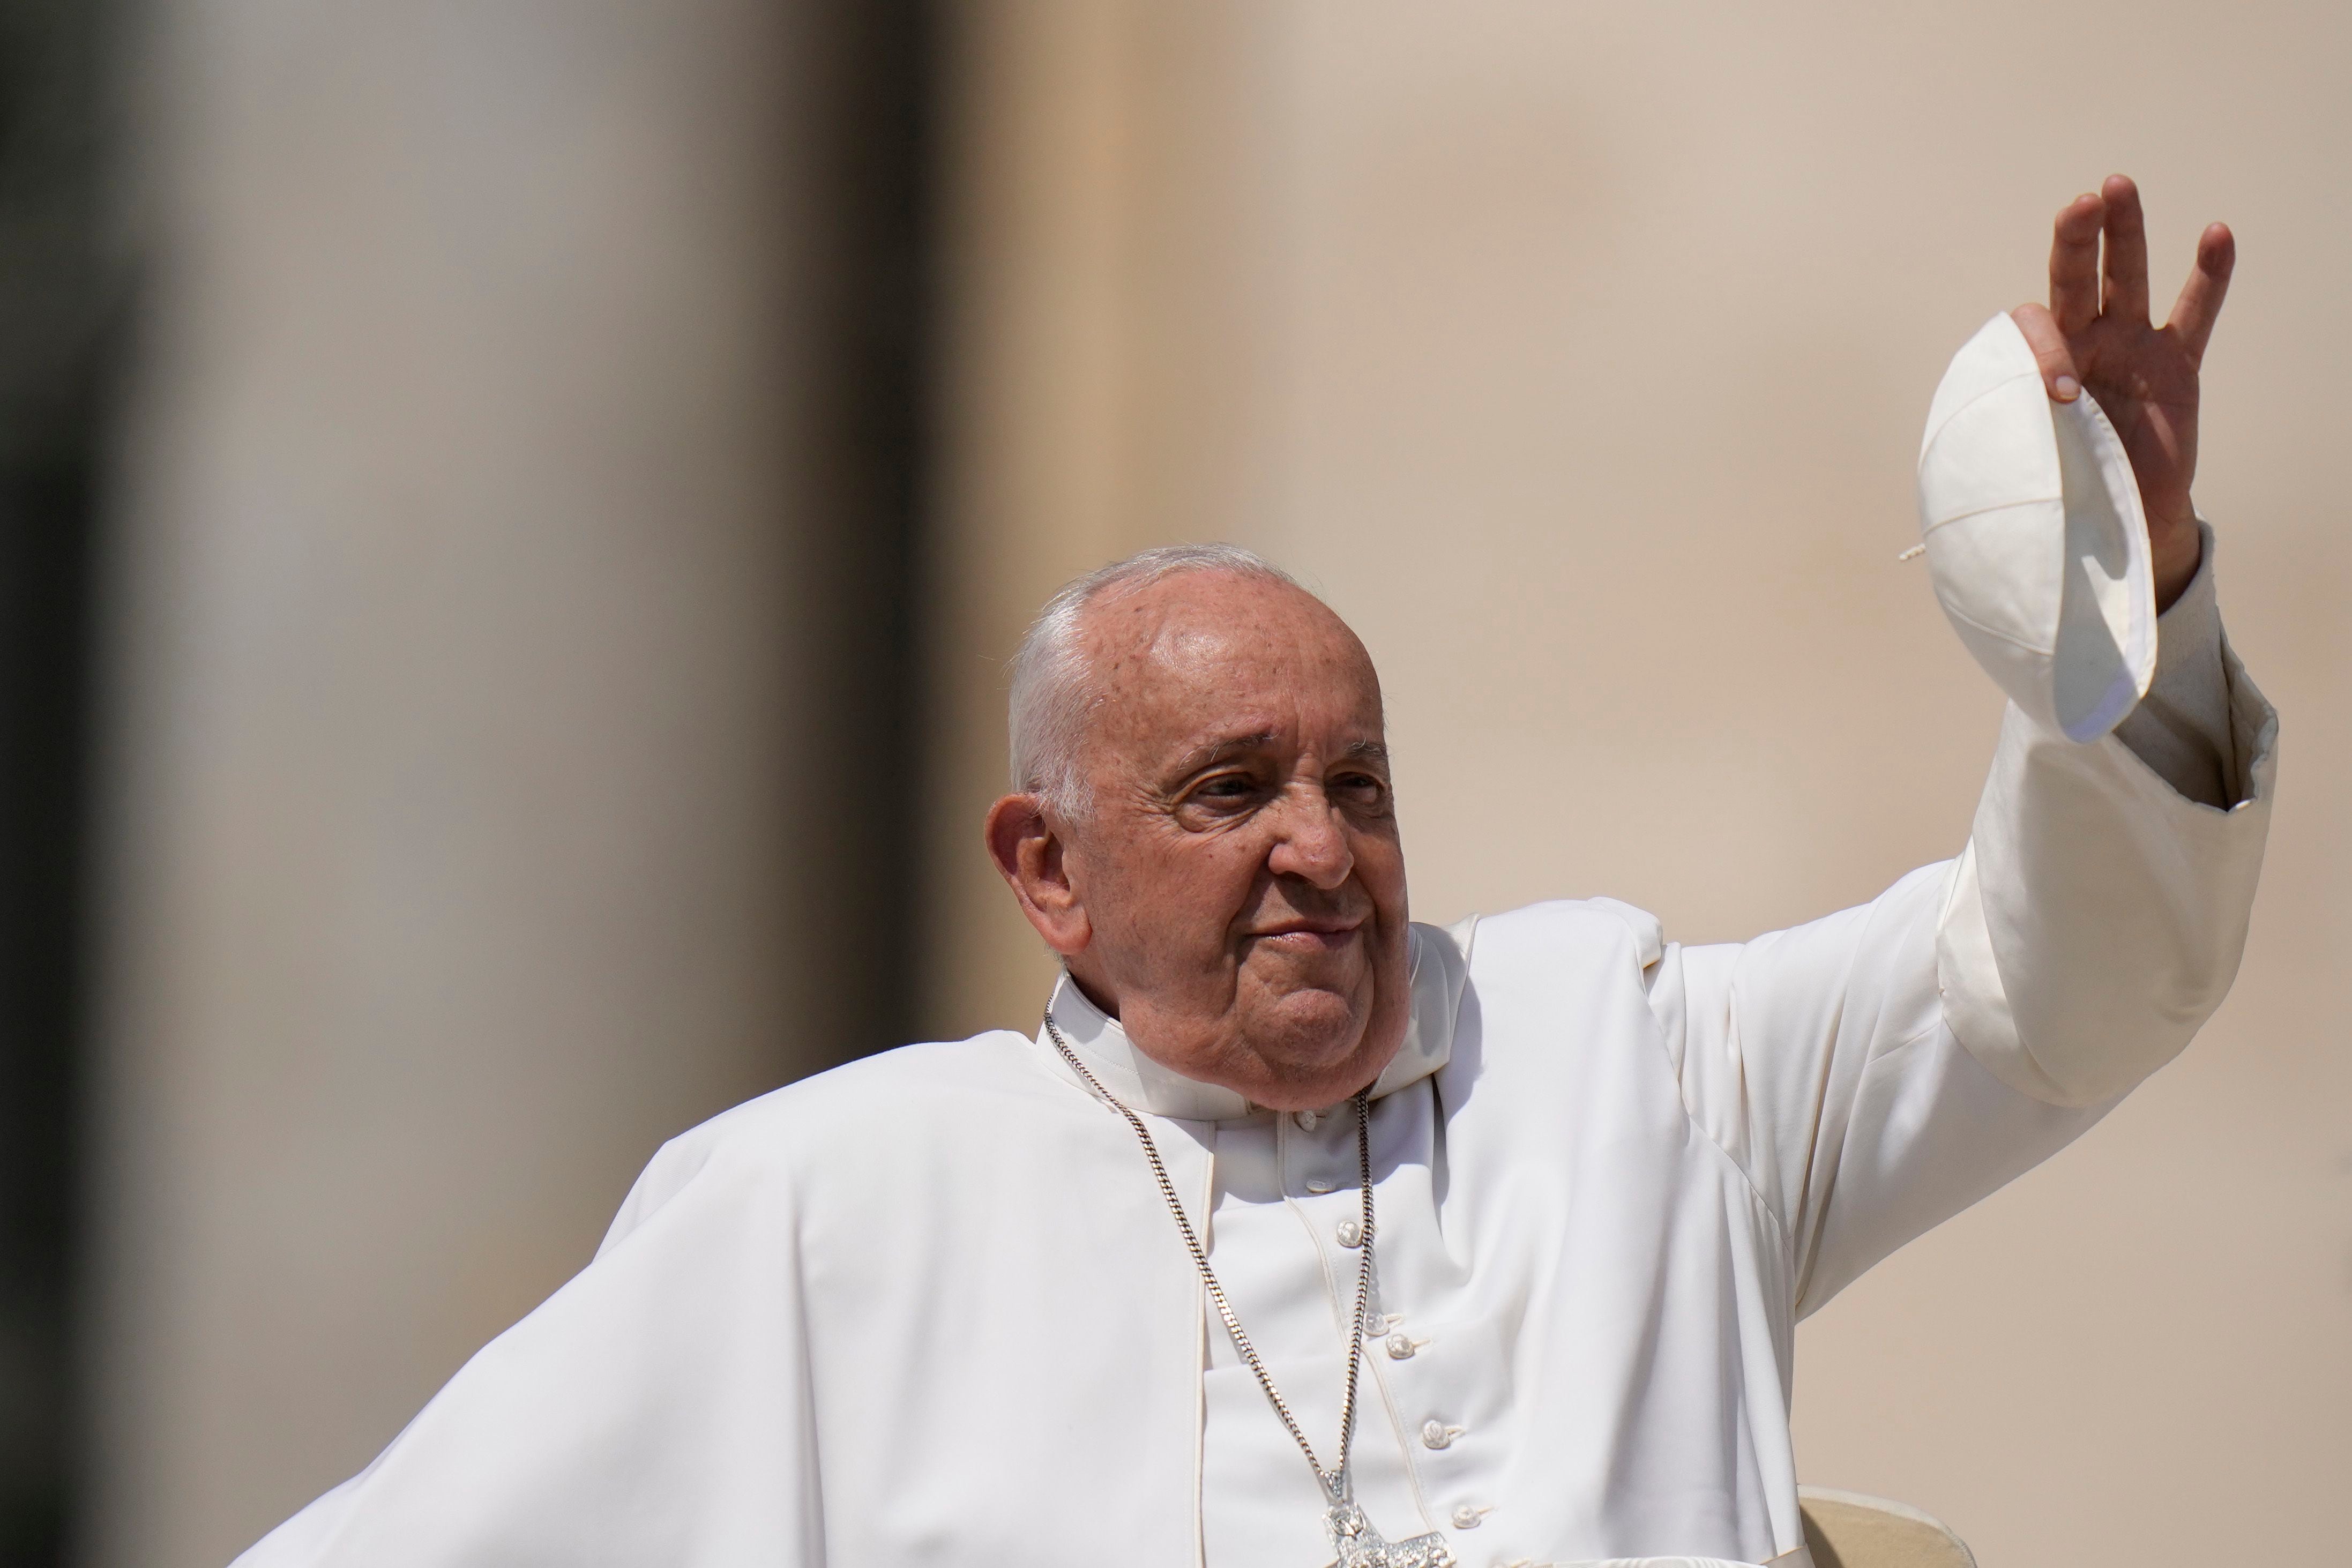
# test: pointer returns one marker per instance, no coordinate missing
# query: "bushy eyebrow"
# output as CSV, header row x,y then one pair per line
x,y
1210,752
1213,751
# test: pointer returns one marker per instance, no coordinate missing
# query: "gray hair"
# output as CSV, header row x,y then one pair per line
x,y
1053,685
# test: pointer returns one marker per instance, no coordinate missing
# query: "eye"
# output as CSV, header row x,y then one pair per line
x,y
1223,795
1360,788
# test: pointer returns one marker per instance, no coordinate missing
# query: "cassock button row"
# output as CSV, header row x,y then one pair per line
x,y
1350,1233
1317,1185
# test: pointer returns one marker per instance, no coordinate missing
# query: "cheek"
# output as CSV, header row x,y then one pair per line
x,y
1380,861
1191,890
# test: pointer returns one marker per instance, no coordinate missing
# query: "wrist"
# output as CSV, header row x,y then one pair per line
x,y
2176,549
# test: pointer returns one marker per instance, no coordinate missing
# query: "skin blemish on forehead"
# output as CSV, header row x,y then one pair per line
x,y
1183,648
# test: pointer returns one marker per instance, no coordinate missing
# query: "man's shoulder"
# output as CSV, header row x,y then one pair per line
x,y
1591,931
1561,1025
985,1074
834,1122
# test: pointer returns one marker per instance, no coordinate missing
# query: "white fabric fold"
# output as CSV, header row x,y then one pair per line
x,y
2182,728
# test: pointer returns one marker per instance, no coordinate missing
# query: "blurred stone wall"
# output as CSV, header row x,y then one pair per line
x,y
507,715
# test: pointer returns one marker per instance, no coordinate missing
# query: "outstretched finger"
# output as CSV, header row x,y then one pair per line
x,y
2208,285
2126,257
2063,381
2074,263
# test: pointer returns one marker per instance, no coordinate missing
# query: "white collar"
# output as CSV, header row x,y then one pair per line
x,y
1439,960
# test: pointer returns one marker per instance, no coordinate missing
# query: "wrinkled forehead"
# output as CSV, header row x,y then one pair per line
x,y
1190,657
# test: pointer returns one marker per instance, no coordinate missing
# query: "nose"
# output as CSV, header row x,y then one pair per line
x,y
1311,840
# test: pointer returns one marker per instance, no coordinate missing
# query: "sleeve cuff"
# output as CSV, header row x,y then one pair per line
x,y
2182,728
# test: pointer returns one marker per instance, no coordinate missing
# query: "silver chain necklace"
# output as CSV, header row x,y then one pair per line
x,y
1359,1545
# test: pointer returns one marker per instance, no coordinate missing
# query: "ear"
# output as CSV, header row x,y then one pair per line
x,y
1029,852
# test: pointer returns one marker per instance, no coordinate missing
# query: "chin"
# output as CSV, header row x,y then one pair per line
x,y
1317,1051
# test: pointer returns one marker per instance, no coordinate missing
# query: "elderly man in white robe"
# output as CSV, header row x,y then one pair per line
x,y
1300,1232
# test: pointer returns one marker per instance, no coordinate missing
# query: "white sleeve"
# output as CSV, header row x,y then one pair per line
x,y
2181,728
2099,912
656,1409
1877,1071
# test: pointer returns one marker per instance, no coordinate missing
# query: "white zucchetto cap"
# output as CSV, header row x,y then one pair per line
x,y
2035,539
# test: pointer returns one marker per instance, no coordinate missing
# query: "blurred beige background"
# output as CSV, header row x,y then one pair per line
x,y
1578,354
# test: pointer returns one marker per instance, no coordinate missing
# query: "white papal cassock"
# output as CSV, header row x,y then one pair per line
x,y
928,1308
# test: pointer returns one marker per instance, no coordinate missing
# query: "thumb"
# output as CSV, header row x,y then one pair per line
x,y
2050,350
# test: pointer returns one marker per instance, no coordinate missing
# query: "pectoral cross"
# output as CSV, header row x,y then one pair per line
x,y
1361,1546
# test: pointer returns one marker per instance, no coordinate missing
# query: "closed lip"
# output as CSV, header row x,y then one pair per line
x,y
1312,928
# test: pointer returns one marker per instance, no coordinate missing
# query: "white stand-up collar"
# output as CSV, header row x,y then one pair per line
x,y
1440,962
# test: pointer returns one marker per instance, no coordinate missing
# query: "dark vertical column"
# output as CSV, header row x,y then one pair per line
x,y
867,134
54,303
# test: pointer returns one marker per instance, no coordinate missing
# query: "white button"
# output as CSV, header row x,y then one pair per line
x,y
1468,1518
1307,1120
1436,1435
1352,1233
1317,1185
1400,1348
